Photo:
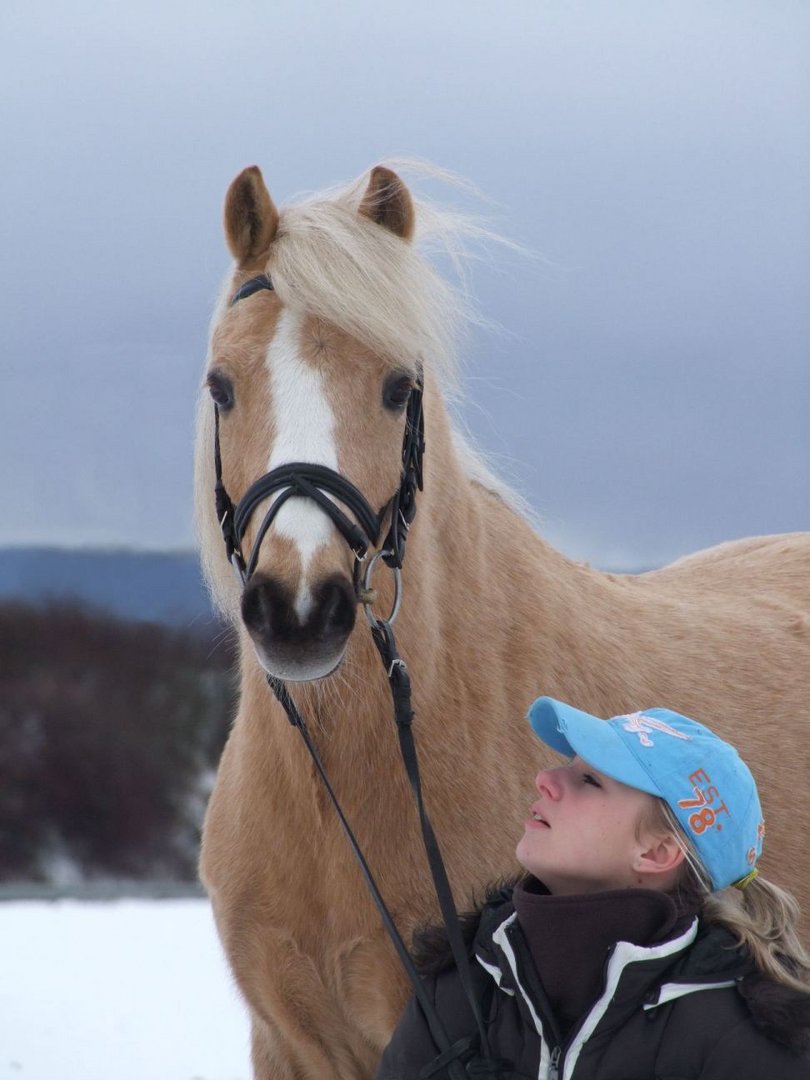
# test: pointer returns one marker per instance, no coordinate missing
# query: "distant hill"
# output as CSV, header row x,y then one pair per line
x,y
153,586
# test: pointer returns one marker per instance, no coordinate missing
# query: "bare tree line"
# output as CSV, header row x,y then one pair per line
x,y
109,735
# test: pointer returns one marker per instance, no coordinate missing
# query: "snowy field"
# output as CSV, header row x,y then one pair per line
x,y
117,990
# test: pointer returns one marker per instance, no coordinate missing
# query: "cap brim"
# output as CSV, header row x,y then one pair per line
x,y
570,731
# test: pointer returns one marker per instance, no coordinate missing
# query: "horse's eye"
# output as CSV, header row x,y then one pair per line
x,y
221,390
397,391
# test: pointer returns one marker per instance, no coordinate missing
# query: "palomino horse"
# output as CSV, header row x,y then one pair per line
x,y
315,361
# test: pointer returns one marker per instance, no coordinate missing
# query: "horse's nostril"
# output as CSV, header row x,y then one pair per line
x,y
335,609
267,608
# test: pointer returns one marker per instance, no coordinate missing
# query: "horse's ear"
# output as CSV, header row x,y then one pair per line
x,y
251,218
388,202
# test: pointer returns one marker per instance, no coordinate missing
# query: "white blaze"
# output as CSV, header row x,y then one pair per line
x,y
304,426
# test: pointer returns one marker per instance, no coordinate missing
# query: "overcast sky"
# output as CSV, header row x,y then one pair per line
x,y
651,391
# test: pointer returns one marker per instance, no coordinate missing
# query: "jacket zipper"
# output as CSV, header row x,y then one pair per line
x,y
548,1020
554,1064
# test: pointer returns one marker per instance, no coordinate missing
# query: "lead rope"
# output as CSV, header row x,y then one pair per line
x,y
400,680
450,1054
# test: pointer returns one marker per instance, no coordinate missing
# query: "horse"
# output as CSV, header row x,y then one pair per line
x,y
330,320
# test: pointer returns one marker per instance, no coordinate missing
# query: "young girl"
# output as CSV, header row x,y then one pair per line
x,y
642,944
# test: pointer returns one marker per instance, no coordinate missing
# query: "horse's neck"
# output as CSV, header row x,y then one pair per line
x,y
478,578
480,545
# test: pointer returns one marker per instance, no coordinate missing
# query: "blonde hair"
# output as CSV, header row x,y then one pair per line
x,y
761,916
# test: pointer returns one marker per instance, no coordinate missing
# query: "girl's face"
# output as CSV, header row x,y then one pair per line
x,y
581,835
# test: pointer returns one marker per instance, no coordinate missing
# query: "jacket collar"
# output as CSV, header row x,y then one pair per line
x,y
631,971
696,953
501,950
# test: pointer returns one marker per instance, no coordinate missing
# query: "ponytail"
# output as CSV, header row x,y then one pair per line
x,y
762,917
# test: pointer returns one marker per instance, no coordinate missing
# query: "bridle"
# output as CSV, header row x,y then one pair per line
x,y
362,532
318,482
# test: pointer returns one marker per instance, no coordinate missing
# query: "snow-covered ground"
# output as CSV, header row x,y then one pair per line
x,y
118,990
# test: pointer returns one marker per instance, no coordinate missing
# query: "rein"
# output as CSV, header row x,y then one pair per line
x,y
317,482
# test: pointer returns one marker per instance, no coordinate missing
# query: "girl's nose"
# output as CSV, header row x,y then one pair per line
x,y
549,783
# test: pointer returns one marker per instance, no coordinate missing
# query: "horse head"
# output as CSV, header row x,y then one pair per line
x,y
316,347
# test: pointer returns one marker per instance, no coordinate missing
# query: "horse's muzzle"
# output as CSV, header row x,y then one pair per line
x,y
295,644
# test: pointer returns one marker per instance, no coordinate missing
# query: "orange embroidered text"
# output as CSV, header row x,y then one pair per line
x,y
706,804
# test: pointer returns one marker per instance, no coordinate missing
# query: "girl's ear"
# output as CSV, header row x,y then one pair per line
x,y
657,854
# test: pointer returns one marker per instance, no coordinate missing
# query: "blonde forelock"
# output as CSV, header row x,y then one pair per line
x,y
331,261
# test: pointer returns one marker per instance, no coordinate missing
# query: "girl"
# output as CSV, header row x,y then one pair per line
x,y
642,944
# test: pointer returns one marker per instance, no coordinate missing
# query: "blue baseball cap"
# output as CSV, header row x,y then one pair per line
x,y
702,779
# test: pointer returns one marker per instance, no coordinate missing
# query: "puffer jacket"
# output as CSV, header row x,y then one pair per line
x,y
688,1008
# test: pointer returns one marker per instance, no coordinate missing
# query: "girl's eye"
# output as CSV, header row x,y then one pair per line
x,y
221,390
397,391
589,778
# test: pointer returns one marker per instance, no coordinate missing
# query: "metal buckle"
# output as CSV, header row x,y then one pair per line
x,y
367,576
